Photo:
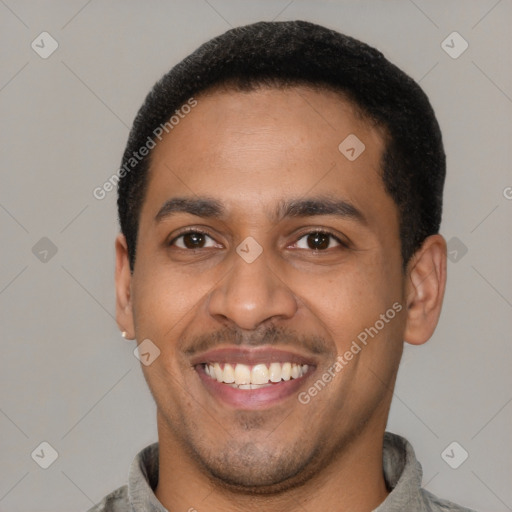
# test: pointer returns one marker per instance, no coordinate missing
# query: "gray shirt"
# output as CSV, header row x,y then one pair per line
x,y
402,473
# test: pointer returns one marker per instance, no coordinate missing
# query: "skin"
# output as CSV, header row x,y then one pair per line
x,y
250,151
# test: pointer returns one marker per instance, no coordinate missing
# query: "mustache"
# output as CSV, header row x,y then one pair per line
x,y
270,336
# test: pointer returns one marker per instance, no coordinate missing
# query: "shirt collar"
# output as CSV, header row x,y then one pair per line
x,y
142,481
403,474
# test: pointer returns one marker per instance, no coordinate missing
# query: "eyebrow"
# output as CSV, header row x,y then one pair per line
x,y
292,208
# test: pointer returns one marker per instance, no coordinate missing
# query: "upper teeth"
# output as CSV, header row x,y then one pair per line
x,y
257,374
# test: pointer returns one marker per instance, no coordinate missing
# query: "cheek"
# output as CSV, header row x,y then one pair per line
x,y
353,300
164,300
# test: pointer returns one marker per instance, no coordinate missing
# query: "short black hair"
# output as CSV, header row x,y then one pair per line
x,y
293,53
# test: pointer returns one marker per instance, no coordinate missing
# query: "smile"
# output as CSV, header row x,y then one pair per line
x,y
247,377
252,378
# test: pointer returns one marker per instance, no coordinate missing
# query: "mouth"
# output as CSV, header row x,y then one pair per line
x,y
253,378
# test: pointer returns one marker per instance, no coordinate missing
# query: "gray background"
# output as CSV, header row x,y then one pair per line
x,y
66,375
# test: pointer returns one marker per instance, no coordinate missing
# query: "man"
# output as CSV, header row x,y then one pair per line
x,y
280,199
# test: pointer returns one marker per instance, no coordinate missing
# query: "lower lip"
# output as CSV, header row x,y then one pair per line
x,y
252,398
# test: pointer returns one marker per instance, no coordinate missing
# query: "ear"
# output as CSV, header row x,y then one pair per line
x,y
425,285
124,313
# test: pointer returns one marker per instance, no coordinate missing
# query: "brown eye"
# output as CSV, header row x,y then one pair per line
x,y
193,240
317,241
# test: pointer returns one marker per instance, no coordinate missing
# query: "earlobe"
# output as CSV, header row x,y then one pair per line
x,y
426,281
123,276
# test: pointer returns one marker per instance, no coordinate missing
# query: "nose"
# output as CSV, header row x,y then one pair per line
x,y
251,294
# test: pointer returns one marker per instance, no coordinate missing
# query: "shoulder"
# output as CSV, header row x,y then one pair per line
x,y
435,504
116,501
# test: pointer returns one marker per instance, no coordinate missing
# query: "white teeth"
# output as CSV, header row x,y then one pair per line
x,y
286,371
219,374
253,386
275,372
229,374
259,374
243,376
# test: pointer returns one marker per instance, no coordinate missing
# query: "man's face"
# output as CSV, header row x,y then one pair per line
x,y
260,157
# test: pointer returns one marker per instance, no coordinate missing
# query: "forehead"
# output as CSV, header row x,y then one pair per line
x,y
252,150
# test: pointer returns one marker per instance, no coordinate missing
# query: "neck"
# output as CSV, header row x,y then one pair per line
x,y
352,481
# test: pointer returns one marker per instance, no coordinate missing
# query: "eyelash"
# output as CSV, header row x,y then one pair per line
x,y
302,235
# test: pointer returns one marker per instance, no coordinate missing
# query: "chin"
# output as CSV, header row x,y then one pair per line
x,y
248,468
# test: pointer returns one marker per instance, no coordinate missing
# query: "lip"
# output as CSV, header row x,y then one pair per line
x,y
251,356
250,399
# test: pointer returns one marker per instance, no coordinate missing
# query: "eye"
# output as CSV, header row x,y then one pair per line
x,y
314,240
192,240
318,241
